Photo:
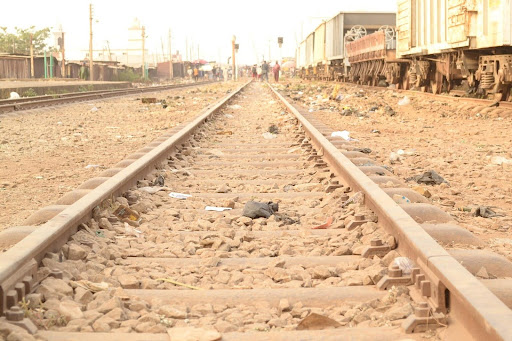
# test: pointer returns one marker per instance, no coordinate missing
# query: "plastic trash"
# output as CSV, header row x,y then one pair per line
x,y
14,95
229,116
394,157
94,109
236,106
401,199
269,136
343,134
217,209
180,196
400,152
92,166
124,212
404,101
405,264
500,160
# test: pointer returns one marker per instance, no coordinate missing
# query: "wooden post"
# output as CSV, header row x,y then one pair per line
x,y
143,42
91,69
31,57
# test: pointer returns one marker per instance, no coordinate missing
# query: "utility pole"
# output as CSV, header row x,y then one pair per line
x,y
31,56
91,69
233,40
170,57
143,42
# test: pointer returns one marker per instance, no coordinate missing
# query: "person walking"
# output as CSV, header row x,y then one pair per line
x,y
196,73
276,71
264,71
258,71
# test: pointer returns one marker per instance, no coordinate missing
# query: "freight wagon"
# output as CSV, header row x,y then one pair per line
x,y
450,42
325,55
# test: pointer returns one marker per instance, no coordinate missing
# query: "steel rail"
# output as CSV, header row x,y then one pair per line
x,y
481,313
10,105
22,259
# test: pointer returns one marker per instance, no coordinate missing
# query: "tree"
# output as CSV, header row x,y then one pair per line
x,y
19,42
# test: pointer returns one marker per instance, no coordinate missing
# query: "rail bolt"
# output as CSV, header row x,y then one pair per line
x,y
375,241
15,313
423,310
419,279
395,272
57,274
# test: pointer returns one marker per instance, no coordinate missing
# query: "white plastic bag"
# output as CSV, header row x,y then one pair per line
x,y
405,264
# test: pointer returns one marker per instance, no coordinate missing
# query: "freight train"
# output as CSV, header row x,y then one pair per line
x,y
428,45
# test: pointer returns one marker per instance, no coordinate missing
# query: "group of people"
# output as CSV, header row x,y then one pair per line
x,y
261,71
196,73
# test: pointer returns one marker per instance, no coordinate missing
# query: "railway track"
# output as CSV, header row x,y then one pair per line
x,y
172,266
25,103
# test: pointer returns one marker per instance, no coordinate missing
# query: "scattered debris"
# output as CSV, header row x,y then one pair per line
x,y
404,101
269,136
179,195
273,129
428,178
148,100
343,134
401,199
500,160
92,166
486,212
235,107
317,322
159,181
389,111
225,132
325,225
217,209
255,209
362,150
356,198
405,264
94,109
124,212
423,191
14,95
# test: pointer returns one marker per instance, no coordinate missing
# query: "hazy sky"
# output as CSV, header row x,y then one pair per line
x,y
209,24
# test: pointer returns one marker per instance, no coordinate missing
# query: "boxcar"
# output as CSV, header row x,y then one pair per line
x,y
450,42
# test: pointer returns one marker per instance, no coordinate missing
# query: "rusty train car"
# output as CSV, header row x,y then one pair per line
x,y
322,54
438,45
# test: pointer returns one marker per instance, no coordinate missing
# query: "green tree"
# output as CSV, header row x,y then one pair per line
x,y
19,42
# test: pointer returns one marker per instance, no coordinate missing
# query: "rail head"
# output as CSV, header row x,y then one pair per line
x,y
482,313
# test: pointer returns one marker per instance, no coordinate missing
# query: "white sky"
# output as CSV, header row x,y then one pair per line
x,y
209,24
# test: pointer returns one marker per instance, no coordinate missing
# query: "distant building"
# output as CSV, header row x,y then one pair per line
x,y
132,54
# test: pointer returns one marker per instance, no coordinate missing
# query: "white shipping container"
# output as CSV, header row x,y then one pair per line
x,y
310,43
319,45
302,55
334,38
428,27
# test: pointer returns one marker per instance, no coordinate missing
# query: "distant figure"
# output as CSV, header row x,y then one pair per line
x,y
264,71
258,71
276,72
189,72
196,73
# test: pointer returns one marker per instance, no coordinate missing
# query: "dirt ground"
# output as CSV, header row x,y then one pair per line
x,y
45,153
471,150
